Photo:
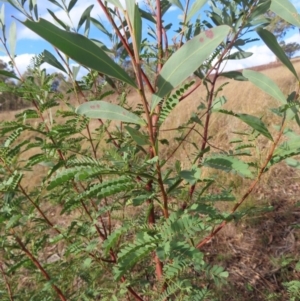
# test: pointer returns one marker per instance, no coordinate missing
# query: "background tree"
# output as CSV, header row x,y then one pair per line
x,y
279,28
8,99
291,48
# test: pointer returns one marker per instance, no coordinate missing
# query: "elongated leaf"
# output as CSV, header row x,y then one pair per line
x,y
252,121
137,136
56,3
100,26
176,3
236,75
79,48
61,23
87,27
239,55
71,4
84,16
51,60
12,38
197,5
146,15
17,6
256,124
187,59
136,21
286,10
271,41
105,110
228,164
8,74
266,84
35,10
260,9
75,70
2,15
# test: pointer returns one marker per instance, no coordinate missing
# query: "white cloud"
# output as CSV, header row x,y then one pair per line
x,y
22,61
26,33
294,38
172,8
180,17
296,3
261,55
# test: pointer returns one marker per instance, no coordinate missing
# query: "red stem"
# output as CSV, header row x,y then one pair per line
x,y
39,266
125,44
247,193
10,294
159,35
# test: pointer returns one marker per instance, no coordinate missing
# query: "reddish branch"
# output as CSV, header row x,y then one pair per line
x,y
159,35
10,294
248,192
39,266
124,43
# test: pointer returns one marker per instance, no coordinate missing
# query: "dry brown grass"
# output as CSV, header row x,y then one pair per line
x,y
243,97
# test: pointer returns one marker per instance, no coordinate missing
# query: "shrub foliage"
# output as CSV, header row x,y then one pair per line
x,y
92,206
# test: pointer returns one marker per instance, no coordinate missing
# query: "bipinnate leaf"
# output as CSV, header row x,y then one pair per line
x,y
194,9
12,38
266,84
63,176
228,164
51,60
104,110
79,48
252,121
187,59
271,41
286,10
286,150
113,238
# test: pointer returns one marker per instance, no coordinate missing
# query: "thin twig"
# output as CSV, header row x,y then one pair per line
x,y
249,190
39,266
8,287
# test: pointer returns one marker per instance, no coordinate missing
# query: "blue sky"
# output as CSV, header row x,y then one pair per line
x,y
29,44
